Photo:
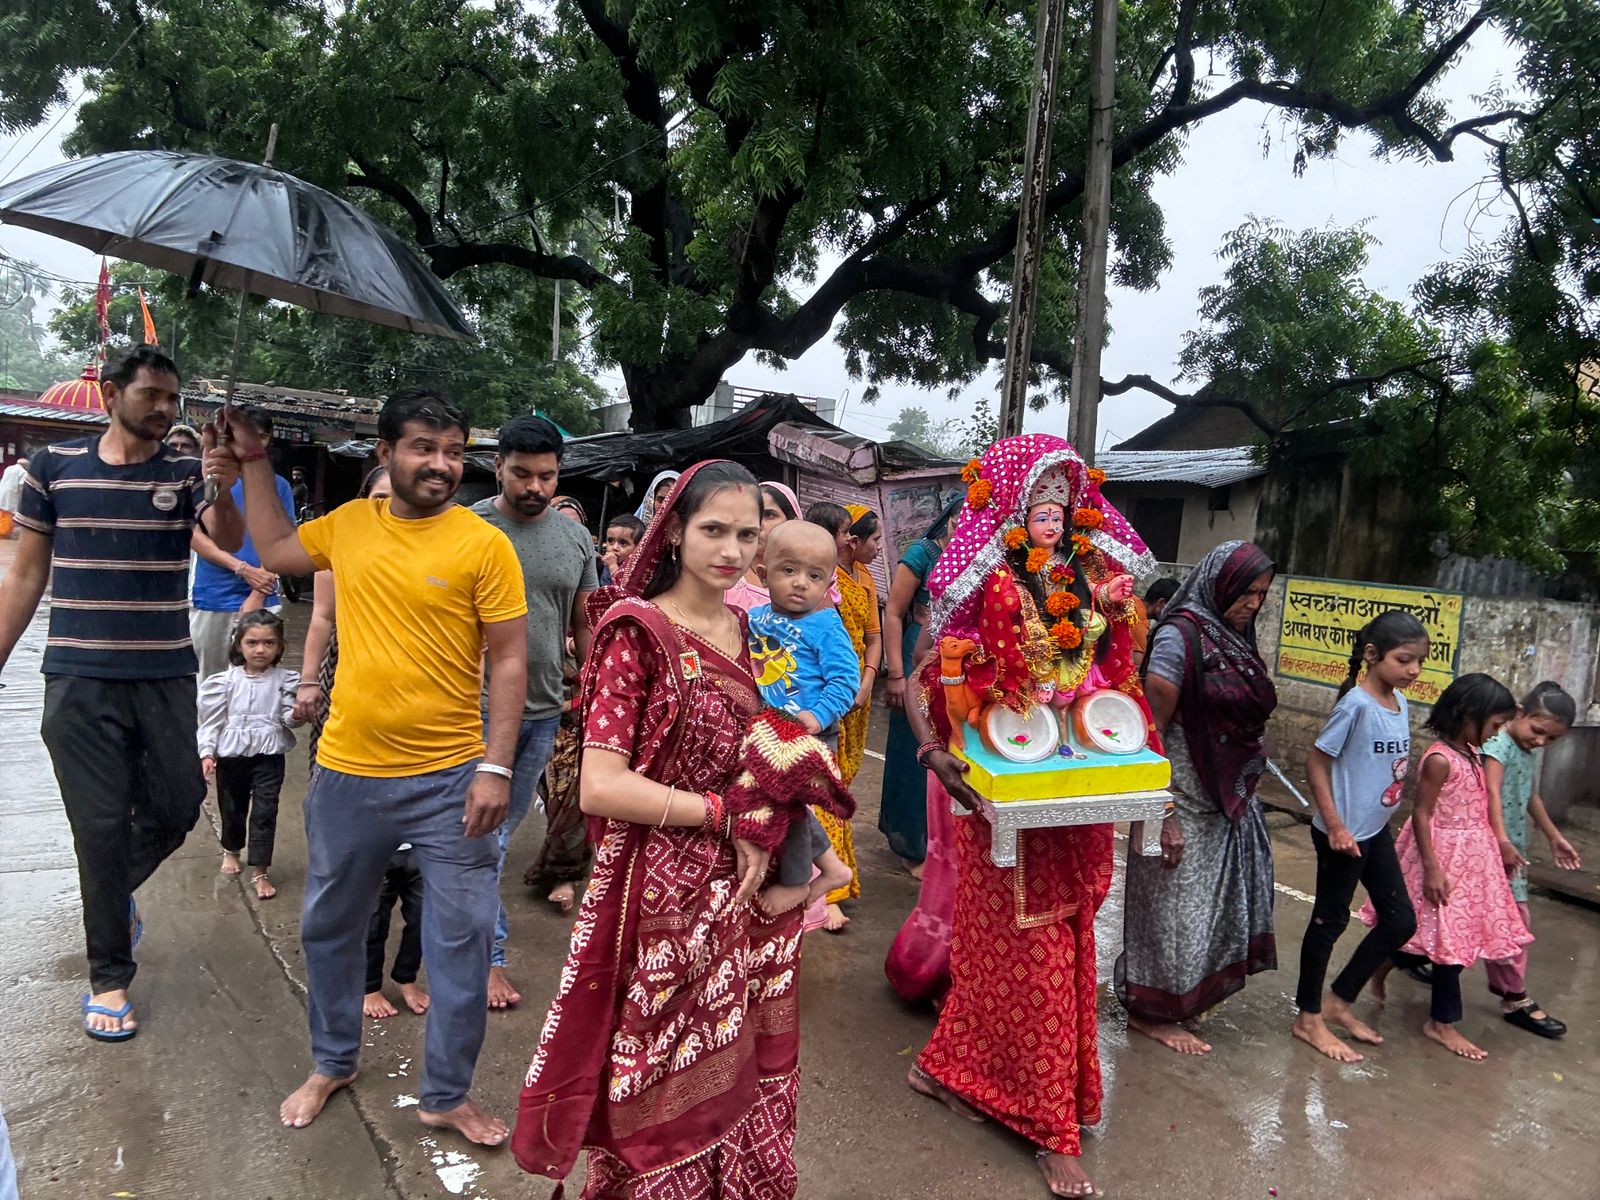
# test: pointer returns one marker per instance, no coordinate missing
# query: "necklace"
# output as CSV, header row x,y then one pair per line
x,y
728,646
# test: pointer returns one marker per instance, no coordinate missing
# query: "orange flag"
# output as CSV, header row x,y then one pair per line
x,y
149,322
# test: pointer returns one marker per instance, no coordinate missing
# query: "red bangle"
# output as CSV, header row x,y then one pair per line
x,y
926,749
713,819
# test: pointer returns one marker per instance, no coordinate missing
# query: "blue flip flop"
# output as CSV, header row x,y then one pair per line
x,y
101,1035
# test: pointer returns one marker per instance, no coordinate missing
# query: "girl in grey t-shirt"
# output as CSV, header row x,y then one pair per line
x,y
1357,771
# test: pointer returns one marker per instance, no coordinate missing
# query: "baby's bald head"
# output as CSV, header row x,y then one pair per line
x,y
799,564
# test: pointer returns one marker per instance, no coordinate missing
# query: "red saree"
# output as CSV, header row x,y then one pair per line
x,y
671,1048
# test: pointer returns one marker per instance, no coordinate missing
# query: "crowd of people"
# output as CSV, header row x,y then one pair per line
x,y
686,697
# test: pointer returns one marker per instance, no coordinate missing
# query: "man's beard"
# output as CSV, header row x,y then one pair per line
x,y
532,505
154,428
410,490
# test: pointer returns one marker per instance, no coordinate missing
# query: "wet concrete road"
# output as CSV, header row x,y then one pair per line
x,y
188,1109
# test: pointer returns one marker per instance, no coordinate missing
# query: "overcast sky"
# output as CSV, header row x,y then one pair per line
x,y
1421,213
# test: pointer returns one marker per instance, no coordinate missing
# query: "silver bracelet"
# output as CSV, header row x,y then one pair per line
x,y
484,768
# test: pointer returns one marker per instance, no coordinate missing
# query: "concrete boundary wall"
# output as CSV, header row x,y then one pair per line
x,y
1518,641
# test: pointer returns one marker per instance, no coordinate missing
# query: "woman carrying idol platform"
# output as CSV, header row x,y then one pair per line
x,y
1033,627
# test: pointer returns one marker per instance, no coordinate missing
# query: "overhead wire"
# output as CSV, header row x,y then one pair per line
x,y
70,107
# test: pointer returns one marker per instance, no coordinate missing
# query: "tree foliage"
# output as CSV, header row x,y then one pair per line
x,y
723,177
27,362
1493,447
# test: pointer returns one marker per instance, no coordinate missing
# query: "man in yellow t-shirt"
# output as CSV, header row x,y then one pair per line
x,y
425,591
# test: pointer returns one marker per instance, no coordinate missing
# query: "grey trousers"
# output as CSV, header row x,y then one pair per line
x,y
353,827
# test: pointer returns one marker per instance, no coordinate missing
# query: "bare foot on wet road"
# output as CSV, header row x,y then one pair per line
x,y
1314,1032
1336,1012
501,992
1450,1038
307,1101
1064,1175
1173,1037
924,1084
416,999
470,1121
376,1005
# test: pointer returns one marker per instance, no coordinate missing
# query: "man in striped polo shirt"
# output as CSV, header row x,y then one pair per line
x,y
113,516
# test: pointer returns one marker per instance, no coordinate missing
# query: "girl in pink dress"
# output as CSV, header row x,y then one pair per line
x,y
1450,856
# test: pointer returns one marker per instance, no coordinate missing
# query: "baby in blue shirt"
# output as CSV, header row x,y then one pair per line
x,y
805,665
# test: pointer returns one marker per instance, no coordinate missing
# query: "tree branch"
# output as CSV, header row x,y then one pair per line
x,y
448,259
1206,397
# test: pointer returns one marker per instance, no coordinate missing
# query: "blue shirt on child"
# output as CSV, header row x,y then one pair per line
x,y
804,664
1371,751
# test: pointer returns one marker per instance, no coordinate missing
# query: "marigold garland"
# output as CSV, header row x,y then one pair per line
x,y
1096,476
978,493
1088,518
1037,558
1016,538
972,471
1067,635
1062,575
1059,604
1081,543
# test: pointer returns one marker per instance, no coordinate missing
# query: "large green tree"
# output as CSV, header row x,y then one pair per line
x,y
1493,443
722,177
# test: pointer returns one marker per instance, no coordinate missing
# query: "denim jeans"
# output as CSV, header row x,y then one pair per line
x,y
535,743
353,825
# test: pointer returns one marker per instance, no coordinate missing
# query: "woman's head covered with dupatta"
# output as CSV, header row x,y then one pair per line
x,y
1219,589
1013,475
654,566
647,507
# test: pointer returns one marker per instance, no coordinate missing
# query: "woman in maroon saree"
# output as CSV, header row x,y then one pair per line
x,y
671,1048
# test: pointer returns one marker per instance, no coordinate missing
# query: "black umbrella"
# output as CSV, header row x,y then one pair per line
x,y
236,225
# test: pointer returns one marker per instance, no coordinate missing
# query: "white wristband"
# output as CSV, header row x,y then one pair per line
x,y
484,768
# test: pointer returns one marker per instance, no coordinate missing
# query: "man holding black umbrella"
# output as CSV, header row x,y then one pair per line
x,y
426,590
112,516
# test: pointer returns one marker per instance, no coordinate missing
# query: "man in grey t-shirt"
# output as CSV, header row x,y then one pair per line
x,y
558,568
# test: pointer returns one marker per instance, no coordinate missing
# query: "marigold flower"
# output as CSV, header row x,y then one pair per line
x,y
1037,558
1016,538
1062,575
1059,604
1068,636
978,493
1088,518
972,471
1081,543
1096,476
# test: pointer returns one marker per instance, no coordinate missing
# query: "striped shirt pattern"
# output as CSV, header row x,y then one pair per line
x,y
119,605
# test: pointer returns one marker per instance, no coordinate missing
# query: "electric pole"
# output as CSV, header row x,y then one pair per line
x,y
1031,216
1083,416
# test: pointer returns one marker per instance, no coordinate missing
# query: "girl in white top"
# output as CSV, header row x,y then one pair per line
x,y
245,717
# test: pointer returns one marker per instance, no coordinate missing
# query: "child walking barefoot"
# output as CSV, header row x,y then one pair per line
x,y
1357,771
805,665
1511,768
1450,856
402,881
245,716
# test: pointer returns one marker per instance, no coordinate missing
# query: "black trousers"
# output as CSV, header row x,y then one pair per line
x,y
402,881
1446,1005
247,796
125,759
1377,870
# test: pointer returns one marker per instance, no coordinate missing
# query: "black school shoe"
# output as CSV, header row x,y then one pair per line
x,y
1545,1026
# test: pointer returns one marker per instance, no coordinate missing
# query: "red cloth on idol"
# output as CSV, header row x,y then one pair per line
x,y
1018,1034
